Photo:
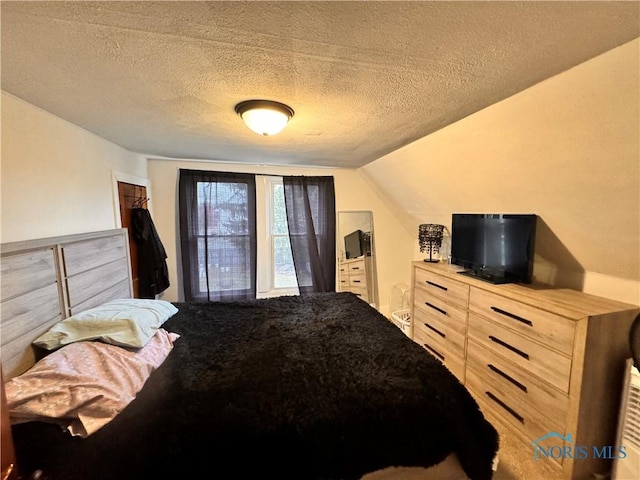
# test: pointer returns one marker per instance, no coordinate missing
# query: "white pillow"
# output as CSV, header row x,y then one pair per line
x,y
128,322
83,386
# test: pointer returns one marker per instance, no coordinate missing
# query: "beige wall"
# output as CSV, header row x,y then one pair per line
x,y
567,149
392,242
56,178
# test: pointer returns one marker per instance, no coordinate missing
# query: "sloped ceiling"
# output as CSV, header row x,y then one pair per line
x,y
364,78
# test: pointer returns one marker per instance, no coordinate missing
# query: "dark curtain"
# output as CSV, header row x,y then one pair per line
x,y
311,215
153,274
217,235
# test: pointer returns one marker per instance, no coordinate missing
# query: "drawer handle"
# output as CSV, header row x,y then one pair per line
x,y
434,351
444,312
518,417
506,345
512,315
355,281
436,285
434,329
508,377
355,268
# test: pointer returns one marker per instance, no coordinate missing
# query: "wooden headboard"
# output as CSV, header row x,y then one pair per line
x,y
46,280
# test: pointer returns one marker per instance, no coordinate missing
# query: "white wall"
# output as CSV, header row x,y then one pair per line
x,y
566,149
56,177
393,243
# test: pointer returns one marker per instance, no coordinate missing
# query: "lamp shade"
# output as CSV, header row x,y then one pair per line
x,y
430,239
264,117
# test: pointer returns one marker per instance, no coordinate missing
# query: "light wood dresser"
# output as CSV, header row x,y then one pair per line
x,y
355,275
546,363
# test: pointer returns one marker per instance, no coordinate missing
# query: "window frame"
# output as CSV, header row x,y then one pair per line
x,y
190,234
265,187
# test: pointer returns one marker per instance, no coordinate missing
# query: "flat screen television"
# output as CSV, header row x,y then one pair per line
x,y
357,244
498,248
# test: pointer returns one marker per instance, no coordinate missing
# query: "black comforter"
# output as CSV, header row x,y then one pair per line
x,y
313,387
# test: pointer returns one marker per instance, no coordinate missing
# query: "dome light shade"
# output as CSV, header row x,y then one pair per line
x,y
264,117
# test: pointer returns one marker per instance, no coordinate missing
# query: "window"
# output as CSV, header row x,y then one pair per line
x,y
276,272
218,235
223,257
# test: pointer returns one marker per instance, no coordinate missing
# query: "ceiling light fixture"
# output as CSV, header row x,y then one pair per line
x,y
264,117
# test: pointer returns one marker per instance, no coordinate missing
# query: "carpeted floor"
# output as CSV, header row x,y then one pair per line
x,y
516,461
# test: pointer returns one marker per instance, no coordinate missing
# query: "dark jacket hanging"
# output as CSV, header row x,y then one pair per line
x,y
153,275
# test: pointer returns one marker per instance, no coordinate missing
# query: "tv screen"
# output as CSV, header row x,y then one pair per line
x,y
498,248
353,244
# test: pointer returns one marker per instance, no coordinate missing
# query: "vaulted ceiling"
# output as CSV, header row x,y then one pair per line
x,y
364,78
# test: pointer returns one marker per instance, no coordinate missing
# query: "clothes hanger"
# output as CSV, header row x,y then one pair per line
x,y
139,202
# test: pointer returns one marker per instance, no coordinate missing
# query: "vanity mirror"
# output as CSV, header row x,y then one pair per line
x,y
356,255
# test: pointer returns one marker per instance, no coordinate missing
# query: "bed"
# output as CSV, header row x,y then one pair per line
x,y
297,387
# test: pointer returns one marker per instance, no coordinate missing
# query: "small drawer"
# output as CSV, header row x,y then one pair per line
x,y
435,307
443,287
452,361
519,415
547,328
358,280
357,267
440,333
516,384
549,365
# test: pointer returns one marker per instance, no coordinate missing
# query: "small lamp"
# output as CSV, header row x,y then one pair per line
x,y
264,117
430,239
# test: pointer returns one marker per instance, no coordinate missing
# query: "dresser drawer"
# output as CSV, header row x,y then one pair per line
x,y
547,364
357,267
443,287
358,279
454,362
547,328
521,416
516,384
435,307
440,333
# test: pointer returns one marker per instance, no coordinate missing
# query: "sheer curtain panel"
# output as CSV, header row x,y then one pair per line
x,y
217,235
311,215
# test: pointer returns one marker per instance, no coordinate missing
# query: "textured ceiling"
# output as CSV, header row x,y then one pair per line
x,y
364,78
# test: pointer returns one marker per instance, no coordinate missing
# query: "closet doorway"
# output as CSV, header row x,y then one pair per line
x,y
131,196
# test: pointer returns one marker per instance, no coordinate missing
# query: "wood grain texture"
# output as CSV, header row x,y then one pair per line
x,y
518,383
89,254
551,330
567,348
91,283
435,307
45,280
24,272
